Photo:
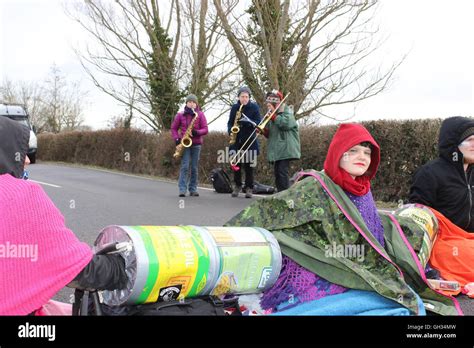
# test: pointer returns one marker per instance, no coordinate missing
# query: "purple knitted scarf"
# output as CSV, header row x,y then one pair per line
x,y
367,208
297,285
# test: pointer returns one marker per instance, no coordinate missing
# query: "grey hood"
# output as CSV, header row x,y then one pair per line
x,y
14,138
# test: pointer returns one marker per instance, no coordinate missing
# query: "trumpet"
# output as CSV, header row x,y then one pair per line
x,y
235,128
186,141
260,127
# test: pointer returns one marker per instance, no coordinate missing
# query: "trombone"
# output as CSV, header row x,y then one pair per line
x,y
261,126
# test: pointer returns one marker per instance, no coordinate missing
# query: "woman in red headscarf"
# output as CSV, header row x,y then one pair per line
x,y
352,161
340,257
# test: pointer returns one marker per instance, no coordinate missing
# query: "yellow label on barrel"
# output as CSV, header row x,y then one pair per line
x,y
422,218
177,257
243,269
236,236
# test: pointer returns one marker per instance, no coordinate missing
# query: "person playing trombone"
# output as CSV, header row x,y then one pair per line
x,y
243,117
283,138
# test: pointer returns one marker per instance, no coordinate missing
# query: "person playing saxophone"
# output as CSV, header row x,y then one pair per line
x,y
191,120
242,119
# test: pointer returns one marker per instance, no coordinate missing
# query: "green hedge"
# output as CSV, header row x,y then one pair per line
x,y
405,145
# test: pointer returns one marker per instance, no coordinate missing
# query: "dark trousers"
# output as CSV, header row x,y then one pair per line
x,y
282,176
248,175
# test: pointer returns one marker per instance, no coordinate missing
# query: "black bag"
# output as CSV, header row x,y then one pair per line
x,y
206,305
194,306
220,181
259,188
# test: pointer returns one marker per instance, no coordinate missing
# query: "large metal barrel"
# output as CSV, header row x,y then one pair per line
x,y
424,218
172,262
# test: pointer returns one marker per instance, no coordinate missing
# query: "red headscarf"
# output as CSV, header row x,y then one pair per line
x,y
347,136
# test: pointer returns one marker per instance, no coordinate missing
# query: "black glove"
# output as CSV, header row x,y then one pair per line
x,y
177,141
103,272
195,133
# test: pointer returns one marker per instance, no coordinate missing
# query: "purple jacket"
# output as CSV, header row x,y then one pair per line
x,y
182,121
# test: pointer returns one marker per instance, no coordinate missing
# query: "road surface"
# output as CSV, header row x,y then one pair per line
x,y
91,199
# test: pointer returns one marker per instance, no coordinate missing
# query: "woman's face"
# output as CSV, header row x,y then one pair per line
x,y
467,149
356,160
192,105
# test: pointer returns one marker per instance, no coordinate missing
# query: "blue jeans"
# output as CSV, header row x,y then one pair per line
x,y
191,154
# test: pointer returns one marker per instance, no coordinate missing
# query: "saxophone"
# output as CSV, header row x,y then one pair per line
x,y
186,141
235,128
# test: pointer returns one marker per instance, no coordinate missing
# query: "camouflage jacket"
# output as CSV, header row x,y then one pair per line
x,y
320,228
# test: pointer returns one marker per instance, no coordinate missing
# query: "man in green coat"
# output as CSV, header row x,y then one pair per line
x,y
283,139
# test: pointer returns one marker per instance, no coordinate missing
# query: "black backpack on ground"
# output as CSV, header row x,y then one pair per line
x,y
220,181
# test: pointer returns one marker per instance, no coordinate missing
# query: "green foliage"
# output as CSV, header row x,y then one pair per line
x,y
164,92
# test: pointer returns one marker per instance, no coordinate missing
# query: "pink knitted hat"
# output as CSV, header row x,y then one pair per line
x,y
39,255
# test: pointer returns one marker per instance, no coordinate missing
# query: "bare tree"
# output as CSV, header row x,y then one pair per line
x,y
133,48
25,93
62,103
136,46
125,120
53,105
211,59
317,50
7,91
30,95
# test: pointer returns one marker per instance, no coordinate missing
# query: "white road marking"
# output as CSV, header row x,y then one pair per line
x,y
146,178
134,176
44,183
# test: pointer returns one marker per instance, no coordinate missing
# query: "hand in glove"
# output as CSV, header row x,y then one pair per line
x,y
195,133
177,141
103,272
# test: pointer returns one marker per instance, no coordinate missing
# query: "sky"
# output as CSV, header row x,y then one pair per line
x,y
434,81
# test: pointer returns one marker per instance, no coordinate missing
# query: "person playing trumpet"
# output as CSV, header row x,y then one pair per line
x,y
182,121
283,138
243,117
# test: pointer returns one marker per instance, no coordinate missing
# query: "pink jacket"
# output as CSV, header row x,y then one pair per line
x,y
182,121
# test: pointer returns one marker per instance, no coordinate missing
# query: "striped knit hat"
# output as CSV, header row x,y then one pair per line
x,y
466,134
274,97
